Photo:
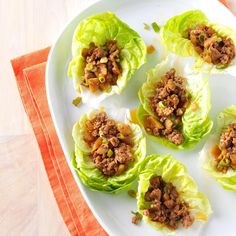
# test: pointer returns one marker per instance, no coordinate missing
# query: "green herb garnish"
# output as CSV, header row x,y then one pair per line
x,y
120,136
221,66
105,141
161,104
104,60
137,214
102,79
155,27
89,66
146,26
76,101
201,38
224,162
109,153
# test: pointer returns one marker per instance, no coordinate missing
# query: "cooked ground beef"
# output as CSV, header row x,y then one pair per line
x,y
212,47
101,66
169,104
111,144
135,220
225,152
166,207
137,217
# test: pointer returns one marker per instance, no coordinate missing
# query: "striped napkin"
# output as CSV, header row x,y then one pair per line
x,y
30,77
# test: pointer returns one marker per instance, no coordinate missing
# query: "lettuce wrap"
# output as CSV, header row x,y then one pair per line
x,y
174,36
226,180
174,172
195,122
99,29
89,174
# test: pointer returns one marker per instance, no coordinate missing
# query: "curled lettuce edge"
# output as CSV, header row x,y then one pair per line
x,y
196,124
91,176
227,180
173,36
175,172
98,29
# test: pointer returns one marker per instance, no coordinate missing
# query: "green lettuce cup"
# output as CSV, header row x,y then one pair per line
x,y
174,172
99,29
226,180
174,35
89,174
196,122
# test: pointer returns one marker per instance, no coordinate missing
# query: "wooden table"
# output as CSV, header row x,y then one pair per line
x,y
27,205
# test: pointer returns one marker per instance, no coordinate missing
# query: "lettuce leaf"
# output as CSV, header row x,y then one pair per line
x,y
174,33
228,180
98,29
175,172
91,176
196,123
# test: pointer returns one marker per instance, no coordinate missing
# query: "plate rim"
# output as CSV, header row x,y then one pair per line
x,y
103,223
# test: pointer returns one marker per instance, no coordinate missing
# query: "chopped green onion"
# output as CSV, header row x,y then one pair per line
x,y
109,153
201,38
101,133
132,193
94,69
224,162
120,136
102,79
146,26
76,101
105,141
161,104
104,60
155,27
85,82
221,66
137,214
89,66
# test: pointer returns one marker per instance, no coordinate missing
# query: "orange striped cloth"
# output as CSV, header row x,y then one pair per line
x,y
30,77
225,2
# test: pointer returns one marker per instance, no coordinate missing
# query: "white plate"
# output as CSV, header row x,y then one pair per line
x,y
113,211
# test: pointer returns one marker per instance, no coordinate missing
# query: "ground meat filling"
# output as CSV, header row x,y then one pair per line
x,y
212,47
111,144
101,66
225,153
165,205
169,104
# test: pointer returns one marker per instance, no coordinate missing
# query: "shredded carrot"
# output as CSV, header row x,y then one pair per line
x,y
215,151
133,114
201,216
194,106
150,49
